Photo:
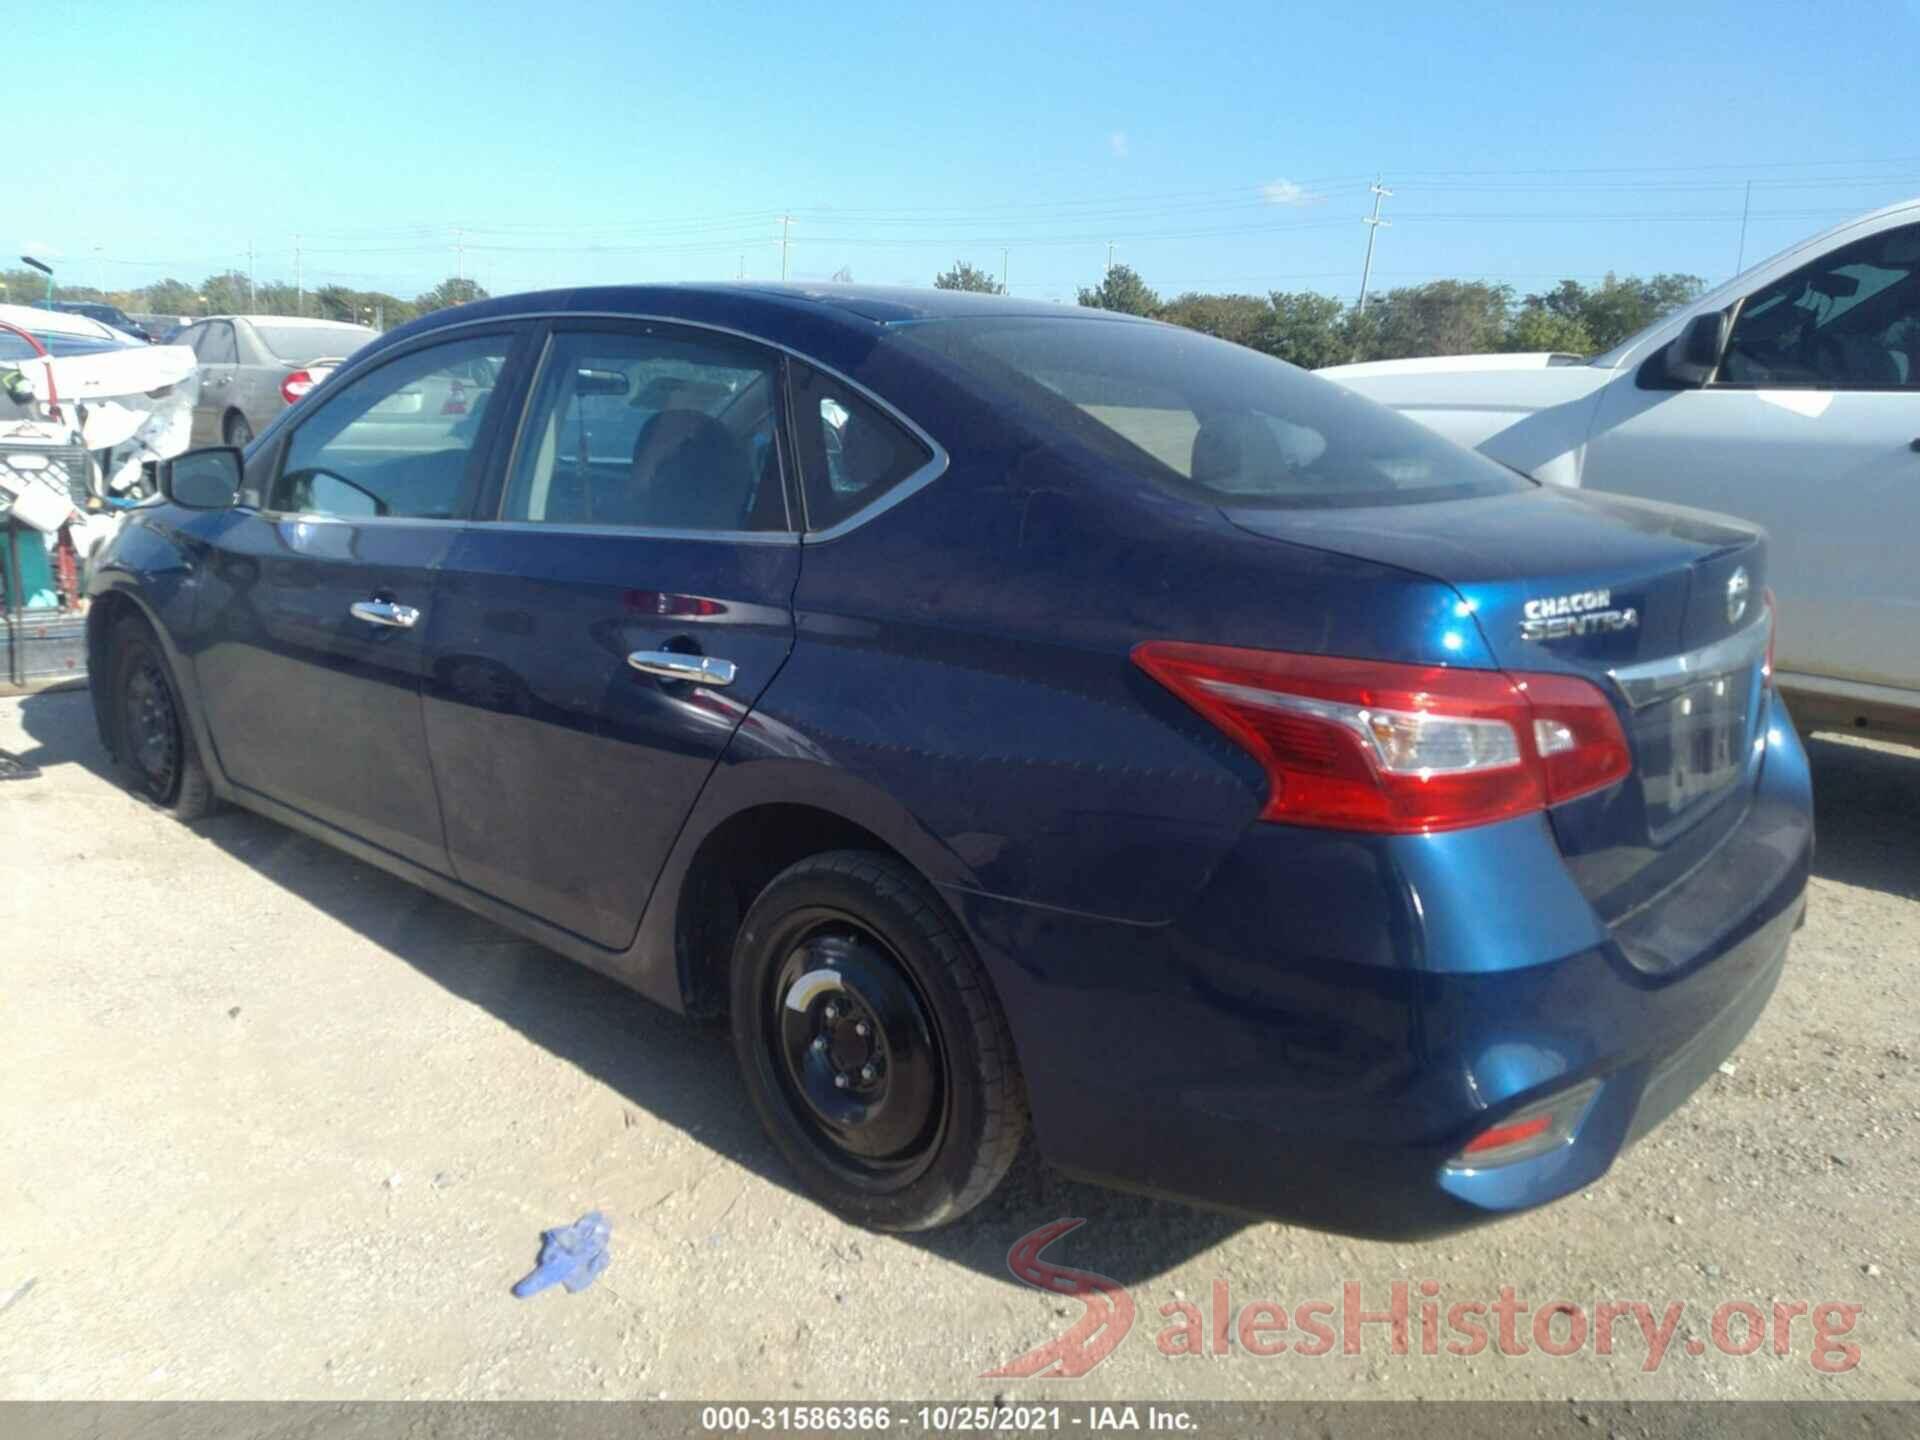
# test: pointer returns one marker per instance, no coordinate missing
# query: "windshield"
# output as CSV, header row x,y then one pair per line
x,y
299,344
1217,422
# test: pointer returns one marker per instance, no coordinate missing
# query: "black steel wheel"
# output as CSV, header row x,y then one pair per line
x,y
152,743
239,431
873,1048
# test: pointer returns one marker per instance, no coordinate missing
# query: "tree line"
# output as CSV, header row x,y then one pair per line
x,y
231,293
1441,317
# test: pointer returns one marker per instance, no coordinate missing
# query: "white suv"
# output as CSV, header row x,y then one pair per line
x,y
1789,396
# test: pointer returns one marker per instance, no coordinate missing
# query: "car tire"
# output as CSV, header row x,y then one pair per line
x,y
872,1044
238,432
153,743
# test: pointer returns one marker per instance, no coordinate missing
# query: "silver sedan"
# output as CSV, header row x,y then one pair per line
x,y
253,366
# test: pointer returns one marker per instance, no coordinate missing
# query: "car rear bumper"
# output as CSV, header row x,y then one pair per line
x,y
1336,1016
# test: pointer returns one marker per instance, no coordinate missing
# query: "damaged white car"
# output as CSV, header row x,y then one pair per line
x,y
83,409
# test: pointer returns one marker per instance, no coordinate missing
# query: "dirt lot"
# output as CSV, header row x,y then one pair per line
x,y
275,1125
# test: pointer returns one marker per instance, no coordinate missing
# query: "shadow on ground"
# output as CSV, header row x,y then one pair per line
x,y
1866,800
678,1070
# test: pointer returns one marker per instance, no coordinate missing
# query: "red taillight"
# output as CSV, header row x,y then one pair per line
x,y
1398,749
296,385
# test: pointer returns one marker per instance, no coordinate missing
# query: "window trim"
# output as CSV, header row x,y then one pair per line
x,y
515,334
912,485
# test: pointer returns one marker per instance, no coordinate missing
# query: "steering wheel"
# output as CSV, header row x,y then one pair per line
x,y
305,478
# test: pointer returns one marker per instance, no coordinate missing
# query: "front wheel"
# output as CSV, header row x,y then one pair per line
x,y
239,432
152,742
873,1048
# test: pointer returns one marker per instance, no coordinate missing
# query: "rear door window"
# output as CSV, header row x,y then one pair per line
x,y
655,428
216,346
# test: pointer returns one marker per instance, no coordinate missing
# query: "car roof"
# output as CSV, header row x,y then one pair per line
x,y
56,322
752,304
290,321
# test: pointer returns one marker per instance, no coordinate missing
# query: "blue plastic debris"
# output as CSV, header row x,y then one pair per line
x,y
573,1256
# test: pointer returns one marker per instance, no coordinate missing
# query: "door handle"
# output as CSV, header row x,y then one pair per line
x,y
674,665
384,612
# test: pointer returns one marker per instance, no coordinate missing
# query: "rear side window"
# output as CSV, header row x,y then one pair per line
x,y
216,346
651,428
1217,422
851,451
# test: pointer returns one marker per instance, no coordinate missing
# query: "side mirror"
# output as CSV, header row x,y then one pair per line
x,y
1693,354
202,479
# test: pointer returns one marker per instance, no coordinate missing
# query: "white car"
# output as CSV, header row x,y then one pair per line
x,y
1790,396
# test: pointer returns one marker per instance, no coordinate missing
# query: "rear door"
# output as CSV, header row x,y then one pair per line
x,y
594,645
315,608
219,370
1809,428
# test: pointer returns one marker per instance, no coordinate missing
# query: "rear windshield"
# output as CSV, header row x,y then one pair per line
x,y
1217,422
301,343
12,347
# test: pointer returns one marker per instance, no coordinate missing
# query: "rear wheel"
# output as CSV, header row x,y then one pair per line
x,y
872,1046
153,745
239,433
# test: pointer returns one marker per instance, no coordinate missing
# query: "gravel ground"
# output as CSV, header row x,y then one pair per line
x,y
275,1125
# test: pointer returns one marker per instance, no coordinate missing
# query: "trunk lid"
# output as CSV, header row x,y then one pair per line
x,y
1659,606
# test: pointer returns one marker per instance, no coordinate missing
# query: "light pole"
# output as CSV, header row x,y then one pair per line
x,y
44,269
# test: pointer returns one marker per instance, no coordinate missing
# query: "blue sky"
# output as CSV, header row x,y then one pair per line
x,y
1218,147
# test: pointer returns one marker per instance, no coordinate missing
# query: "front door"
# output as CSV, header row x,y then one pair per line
x,y
594,646
312,623
1810,426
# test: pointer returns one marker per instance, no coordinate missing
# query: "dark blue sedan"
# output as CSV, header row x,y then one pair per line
x,y
1013,717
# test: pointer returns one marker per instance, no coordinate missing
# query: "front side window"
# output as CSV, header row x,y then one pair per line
x,y
1215,422
1848,321
654,428
398,441
851,451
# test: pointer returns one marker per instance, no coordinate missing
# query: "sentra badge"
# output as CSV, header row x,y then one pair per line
x,y
1587,612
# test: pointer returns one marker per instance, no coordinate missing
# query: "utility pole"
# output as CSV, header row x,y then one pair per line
x,y
786,224
1109,257
1003,272
459,255
1745,207
1373,223
250,300
743,268
299,286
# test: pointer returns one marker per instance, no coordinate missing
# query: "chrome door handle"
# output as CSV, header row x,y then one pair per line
x,y
673,665
384,612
